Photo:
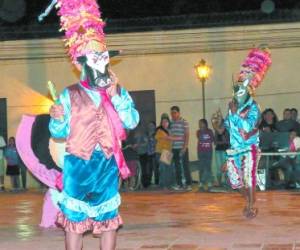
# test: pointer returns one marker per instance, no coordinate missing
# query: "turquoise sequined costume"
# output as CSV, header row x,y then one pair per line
x,y
244,139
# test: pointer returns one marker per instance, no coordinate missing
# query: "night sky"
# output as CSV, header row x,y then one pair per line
x,y
118,9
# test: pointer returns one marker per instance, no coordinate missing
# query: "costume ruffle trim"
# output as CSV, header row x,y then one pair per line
x,y
97,227
83,207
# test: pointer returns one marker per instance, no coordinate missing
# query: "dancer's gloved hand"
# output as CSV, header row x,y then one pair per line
x,y
56,111
112,90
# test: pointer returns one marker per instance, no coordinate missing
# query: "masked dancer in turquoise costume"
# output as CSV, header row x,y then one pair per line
x,y
242,123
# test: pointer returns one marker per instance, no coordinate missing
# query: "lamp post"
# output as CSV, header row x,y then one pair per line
x,y
203,71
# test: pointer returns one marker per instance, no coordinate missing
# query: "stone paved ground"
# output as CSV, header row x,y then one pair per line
x,y
160,221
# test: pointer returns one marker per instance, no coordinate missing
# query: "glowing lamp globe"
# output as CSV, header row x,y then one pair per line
x,y
202,70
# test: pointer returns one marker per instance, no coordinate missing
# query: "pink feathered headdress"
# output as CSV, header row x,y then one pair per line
x,y
255,66
83,26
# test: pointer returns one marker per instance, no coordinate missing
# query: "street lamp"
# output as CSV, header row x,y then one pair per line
x,y
203,71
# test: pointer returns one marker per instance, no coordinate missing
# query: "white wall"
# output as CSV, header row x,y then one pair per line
x,y
162,61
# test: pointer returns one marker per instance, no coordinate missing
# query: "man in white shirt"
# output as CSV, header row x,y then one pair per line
x,y
2,146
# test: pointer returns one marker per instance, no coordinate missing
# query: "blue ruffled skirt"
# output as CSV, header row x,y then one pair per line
x,y
90,188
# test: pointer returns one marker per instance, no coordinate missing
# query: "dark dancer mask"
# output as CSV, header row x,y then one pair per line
x,y
95,68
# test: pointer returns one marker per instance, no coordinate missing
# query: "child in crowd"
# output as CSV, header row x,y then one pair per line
x,y
294,141
12,159
205,138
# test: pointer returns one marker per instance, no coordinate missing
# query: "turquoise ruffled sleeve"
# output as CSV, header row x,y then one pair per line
x,y
248,123
61,128
126,110
237,124
122,103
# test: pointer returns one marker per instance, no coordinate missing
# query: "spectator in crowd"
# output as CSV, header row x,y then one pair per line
x,y
152,163
269,120
2,167
289,164
23,169
222,144
12,159
180,128
141,139
129,148
164,143
294,113
294,142
287,124
205,138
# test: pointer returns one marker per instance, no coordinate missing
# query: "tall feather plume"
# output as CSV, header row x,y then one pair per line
x,y
81,21
255,66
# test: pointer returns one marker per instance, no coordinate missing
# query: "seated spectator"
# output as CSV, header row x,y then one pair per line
x,y
287,124
295,147
294,113
290,164
269,120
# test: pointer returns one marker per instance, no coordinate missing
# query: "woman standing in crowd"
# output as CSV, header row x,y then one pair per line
x,y
205,138
222,144
269,120
163,151
141,140
152,167
12,159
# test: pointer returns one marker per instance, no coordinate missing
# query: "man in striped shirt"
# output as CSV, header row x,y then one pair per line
x,y
180,127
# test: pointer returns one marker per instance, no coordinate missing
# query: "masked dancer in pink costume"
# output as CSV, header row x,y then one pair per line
x,y
242,123
91,116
